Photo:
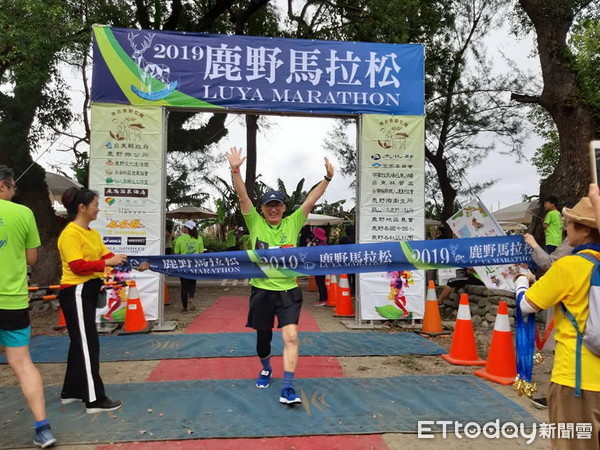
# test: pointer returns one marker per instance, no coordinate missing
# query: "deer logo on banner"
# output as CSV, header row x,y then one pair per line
x,y
149,71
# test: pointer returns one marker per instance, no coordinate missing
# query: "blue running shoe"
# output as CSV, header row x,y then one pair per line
x,y
264,378
43,436
288,396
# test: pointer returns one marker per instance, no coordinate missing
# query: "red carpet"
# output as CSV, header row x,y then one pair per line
x,y
359,442
229,314
241,368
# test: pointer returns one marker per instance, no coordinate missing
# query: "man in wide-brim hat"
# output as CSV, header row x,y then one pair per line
x,y
574,391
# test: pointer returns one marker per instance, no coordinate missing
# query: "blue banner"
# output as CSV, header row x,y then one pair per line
x,y
339,259
256,73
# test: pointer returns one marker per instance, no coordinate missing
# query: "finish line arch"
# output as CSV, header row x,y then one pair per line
x,y
139,75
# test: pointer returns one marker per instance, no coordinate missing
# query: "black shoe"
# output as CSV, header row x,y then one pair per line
x,y
540,403
102,405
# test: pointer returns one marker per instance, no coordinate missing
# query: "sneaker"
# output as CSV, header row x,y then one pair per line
x,y
43,436
264,378
184,311
540,403
321,303
288,396
102,405
65,400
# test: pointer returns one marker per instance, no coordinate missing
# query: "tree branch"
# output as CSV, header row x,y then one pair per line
x,y
176,8
220,6
242,18
523,98
142,14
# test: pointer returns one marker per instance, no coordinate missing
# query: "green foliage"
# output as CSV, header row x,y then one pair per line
x,y
546,157
212,244
585,42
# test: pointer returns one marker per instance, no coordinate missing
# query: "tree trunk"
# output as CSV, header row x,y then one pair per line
x,y
574,117
448,194
32,189
251,132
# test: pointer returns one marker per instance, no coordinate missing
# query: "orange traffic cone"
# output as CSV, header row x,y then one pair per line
x,y
62,323
432,321
327,285
312,284
463,350
343,304
332,292
166,296
135,321
501,364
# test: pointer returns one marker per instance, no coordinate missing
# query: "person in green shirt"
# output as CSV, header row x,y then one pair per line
x,y
19,240
230,240
189,243
553,226
275,297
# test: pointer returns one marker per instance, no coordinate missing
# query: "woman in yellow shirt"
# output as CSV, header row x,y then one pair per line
x,y
567,283
84,257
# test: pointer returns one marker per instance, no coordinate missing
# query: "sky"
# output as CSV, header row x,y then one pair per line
x,y
293,147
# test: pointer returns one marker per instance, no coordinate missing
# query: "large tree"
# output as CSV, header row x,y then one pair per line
x,y
33,97
467,109
568,88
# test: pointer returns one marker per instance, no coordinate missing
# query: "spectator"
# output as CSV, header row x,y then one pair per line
x,y
319,239
19,241
553,226
169,237
543,259
189,243
272,297
470,278
350,238
230,240
567,284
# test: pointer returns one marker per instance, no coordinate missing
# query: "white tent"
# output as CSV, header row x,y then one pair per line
x,y
58,184
190,212
322,219
517,213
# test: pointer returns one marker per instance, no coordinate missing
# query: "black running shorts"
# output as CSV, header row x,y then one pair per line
x,y
265,305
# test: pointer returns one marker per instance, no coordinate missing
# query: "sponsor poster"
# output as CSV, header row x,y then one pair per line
x,y
474,220
127,171
211,71
391,208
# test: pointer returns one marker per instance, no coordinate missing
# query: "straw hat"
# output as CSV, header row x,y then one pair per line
x,y
583,213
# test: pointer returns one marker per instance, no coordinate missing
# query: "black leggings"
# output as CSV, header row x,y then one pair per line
x,y
263,343
322,287
188,290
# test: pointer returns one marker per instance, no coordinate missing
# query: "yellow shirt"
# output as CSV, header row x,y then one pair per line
x,y
568,281
76,243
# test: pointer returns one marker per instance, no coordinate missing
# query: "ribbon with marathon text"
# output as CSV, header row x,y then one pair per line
x,y
340,259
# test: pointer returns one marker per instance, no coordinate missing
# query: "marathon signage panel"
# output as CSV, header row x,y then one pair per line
x,y
164,68
340,259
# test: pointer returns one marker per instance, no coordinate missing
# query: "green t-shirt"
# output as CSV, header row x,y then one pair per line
x,y
18,232
263,235
554,228
187,245
230,238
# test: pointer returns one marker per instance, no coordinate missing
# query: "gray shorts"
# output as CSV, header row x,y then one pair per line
x,y
265,305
